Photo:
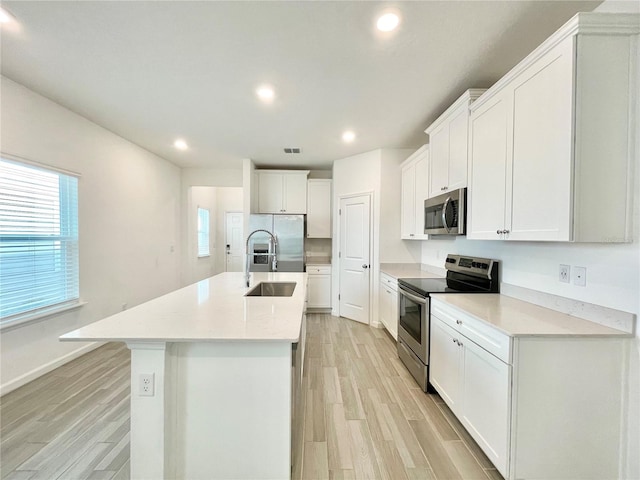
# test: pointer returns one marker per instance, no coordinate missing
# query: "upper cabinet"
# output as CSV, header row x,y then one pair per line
x,y
282,191
415,181
319,208
448,142
551,144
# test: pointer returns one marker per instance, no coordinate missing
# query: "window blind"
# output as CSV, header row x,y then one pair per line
x,y
38,239
203,232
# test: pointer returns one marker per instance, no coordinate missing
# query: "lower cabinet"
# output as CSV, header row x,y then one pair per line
x,y
388,304
538,406
319,286
476,387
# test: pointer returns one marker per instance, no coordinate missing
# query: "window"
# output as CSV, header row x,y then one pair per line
x,y
203,232
38,240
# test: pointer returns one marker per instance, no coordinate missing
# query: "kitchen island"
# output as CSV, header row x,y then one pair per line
x,y
212,383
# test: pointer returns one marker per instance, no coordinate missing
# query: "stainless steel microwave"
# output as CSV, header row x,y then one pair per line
x,y
446,214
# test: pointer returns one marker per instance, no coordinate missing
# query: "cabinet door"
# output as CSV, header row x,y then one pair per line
x,y
383,305
407,206
319,289
445,357
295,193
489,157
485,401
458,154
542,158
319,209
393,314
421,193
439,147
270,193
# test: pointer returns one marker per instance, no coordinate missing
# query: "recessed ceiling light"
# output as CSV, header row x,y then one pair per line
x,y
5,16
348,136
265,93
388,22
180,144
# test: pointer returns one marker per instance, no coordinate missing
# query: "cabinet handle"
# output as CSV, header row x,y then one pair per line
x,y
455,341
499,231
460,344
505,231
459,322
411,234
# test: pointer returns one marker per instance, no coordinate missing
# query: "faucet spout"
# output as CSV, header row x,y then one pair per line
x,y
272,252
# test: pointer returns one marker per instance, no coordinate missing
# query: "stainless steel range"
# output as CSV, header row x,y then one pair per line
x,y
464,275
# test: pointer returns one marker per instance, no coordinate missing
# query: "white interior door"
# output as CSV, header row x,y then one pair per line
x,y
233,241
355,218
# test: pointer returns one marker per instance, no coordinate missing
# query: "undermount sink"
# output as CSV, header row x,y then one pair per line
x,y
272,289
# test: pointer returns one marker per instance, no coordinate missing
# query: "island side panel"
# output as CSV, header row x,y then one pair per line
x,y
233,410
567,407
152,416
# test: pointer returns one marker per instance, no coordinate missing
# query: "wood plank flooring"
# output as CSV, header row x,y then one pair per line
x,y
364,417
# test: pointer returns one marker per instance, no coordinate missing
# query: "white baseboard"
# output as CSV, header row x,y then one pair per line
x,y
46,368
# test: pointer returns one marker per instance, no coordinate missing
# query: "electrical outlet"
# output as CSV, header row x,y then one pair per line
x,y
146,385
564,273
580,276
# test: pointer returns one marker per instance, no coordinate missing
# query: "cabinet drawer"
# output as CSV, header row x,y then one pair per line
x,y
319,269
483,334
389,281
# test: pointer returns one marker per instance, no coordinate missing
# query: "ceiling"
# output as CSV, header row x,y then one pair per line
x,y
155,71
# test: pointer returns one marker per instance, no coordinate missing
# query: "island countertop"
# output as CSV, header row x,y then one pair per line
x,y
214,309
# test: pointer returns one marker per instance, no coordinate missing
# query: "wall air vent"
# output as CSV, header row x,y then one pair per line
x,y
292,150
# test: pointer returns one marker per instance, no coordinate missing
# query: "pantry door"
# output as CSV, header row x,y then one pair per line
x,y
355,257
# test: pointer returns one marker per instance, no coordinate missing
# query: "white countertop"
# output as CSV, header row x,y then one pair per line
x,y
214,309
406,270
518,318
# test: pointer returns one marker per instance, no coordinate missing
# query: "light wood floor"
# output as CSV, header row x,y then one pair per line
x,y
364,417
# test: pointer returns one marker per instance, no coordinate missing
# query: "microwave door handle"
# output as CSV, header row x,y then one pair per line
x,y
422,301
444,215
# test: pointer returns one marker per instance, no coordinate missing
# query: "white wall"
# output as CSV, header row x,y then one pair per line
x,y
201,267
129,210
377,172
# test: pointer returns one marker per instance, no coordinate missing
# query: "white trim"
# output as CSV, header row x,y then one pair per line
x,y
467,98
16,158
46,368
33,316
590,23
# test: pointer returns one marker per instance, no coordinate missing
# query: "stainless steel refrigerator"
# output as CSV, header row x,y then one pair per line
x,y
289,231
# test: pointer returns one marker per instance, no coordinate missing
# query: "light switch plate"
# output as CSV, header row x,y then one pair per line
x,y
580,276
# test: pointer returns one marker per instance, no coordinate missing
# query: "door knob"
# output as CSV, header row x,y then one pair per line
x,y
364,265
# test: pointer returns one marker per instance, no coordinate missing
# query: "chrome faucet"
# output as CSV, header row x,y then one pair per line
x,y
272,253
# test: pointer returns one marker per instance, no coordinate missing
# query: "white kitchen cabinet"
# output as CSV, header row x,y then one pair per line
x,y
474,383
319,286
319,208
282,191
529,400
415,181
448,140
551,149
388,304
446,360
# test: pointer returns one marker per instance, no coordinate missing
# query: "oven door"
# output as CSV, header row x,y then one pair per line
x,y
413,323
445,214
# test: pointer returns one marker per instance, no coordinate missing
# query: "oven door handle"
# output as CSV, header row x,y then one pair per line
x,y
410,296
